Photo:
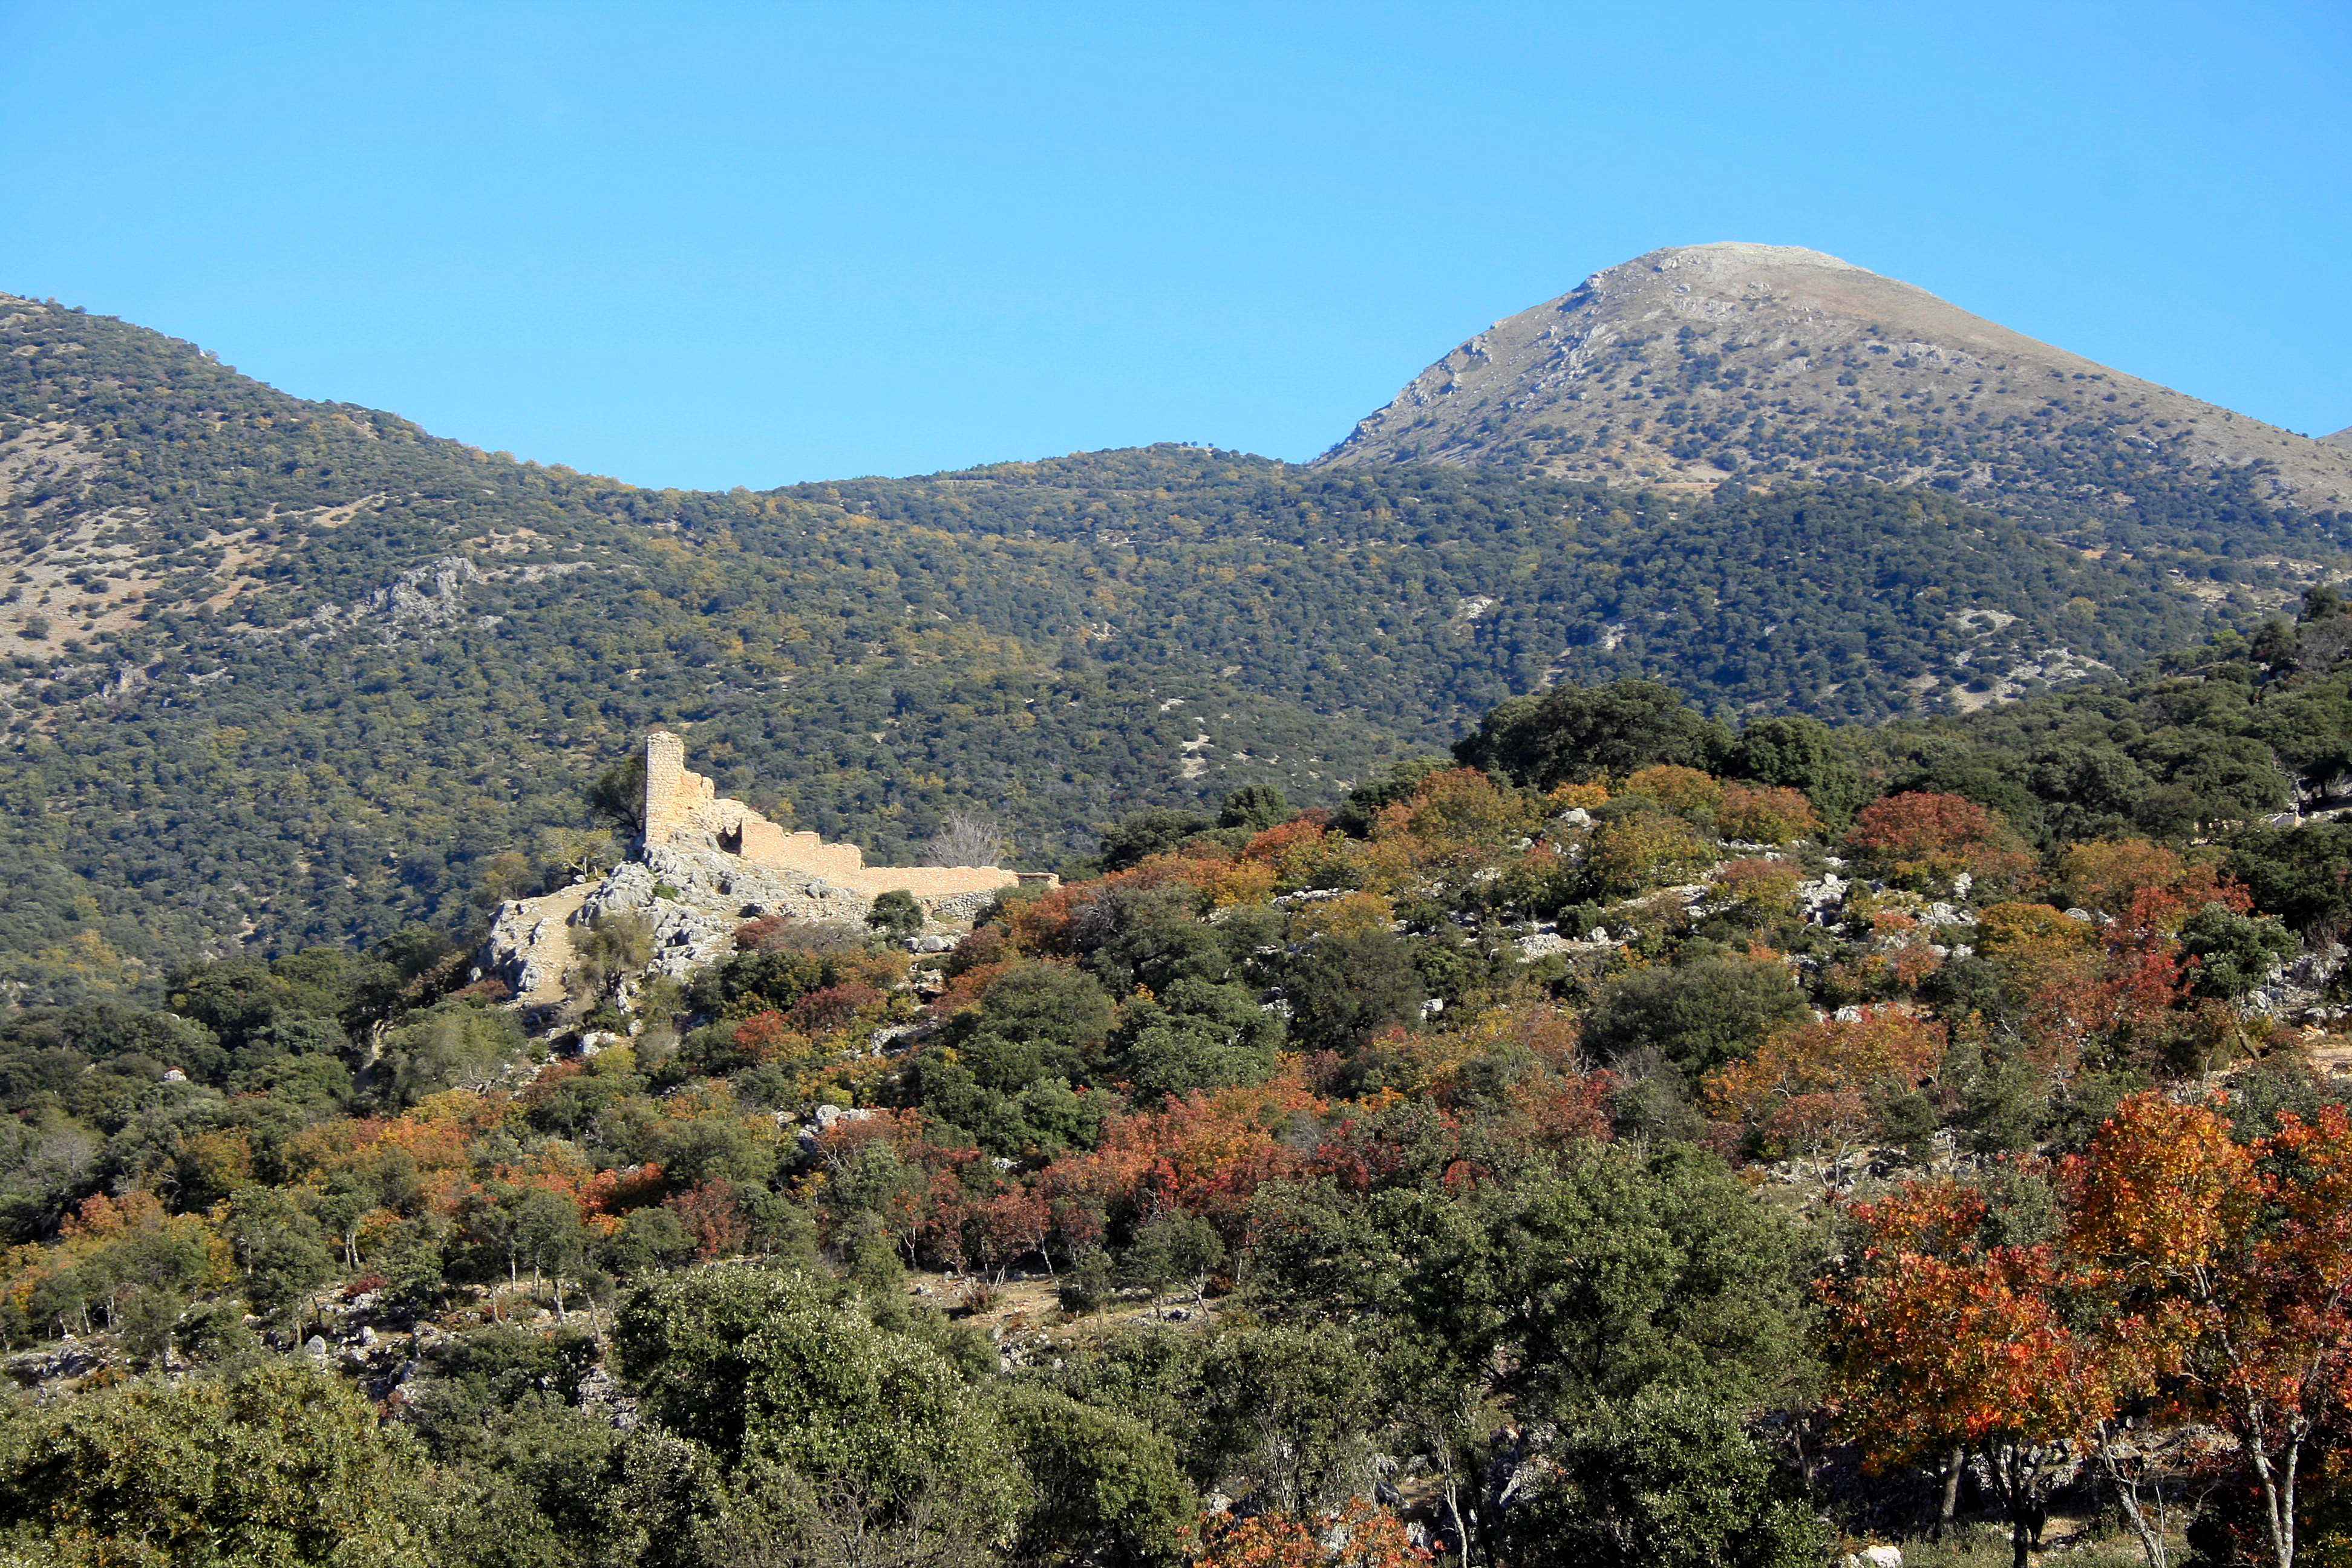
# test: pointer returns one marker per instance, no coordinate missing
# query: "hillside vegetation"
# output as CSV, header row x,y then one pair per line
x,y
1630,1138
276,673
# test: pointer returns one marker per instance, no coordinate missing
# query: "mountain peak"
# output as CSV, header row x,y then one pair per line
x,y
1732,254
1696,364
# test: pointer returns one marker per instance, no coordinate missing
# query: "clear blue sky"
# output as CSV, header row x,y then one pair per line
x,y
717,245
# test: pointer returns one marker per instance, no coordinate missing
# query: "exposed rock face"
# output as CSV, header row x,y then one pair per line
x,y
433,592
696,894
529,945
1694,363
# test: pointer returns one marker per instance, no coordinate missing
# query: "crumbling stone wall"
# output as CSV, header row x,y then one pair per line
x,y
764,843
679,801
707,865
931,884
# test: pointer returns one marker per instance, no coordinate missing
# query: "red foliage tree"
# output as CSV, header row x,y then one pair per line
x,y
1207,1154
1809,1091
762,934
2230,1266
1927,839
1009,1227
1303,834
1358,1534
1942,1340
832,1008
712,1217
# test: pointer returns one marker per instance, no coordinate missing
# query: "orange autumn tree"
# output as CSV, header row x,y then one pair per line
x,y
1809,1093
1765,813
1294,851
2077,990
2106,874
2194,1279
2234,1262
1644,849
1677,787
1760,885
1942,1340
1207,1153
1358,1534
1456,823
2146,886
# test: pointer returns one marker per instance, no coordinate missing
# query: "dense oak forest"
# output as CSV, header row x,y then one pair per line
x,y
276,673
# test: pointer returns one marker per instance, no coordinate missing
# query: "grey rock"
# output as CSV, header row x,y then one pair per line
x,y
1541,944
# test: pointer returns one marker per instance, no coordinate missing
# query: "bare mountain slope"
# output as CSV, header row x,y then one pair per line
x,y
1694,363
2341,439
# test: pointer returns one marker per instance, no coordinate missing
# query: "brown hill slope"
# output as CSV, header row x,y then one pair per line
x,y
1697,363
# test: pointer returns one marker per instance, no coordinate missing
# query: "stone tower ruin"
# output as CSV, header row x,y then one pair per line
x,y
674,796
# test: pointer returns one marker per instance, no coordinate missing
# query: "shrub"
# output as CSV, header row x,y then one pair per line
x,y
832,1008
1923,840
1645,849
896,915
1673,785
1665,1479
1766,815
1697,1015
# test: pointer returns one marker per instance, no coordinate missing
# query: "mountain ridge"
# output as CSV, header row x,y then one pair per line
x,y
275,672
1693,365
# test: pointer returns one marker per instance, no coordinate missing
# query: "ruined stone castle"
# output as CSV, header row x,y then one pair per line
x,y
703,865
679,801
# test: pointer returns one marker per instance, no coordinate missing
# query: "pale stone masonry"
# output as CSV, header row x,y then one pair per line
x,y
673,795
680,801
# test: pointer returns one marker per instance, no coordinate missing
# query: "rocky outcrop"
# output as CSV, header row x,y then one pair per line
x,y
530,944
692,892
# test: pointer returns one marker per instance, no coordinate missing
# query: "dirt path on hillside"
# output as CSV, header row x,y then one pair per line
x,y
553,943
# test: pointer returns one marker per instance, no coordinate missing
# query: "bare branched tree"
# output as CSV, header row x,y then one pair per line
x,y
967,838
583,851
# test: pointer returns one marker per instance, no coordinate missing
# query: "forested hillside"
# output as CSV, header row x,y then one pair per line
x,y
278,673
1634,1138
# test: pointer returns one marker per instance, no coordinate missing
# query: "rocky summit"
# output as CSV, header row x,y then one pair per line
x,y
1696,364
